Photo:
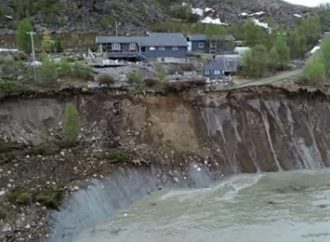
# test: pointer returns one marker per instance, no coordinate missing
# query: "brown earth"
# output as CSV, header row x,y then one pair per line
x,y
247,130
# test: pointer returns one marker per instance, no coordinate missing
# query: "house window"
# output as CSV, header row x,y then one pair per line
x,y
152,48
207,72
115,46
161,48
201,45
132,46
217,72
175,48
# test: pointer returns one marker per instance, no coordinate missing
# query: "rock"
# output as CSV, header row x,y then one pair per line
x,y
6,228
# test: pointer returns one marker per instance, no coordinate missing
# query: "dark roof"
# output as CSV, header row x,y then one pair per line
x,y
118,39
203,37
164,39
214,65
153,39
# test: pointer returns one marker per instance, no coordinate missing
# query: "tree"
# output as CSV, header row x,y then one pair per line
x,y
48,71
325,54
283,52
273,59
254,35
47,43
297,44
71,124
58,46
314,72
23,40
311,28
255,61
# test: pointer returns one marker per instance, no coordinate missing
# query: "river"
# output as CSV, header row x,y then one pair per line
x,y
273,207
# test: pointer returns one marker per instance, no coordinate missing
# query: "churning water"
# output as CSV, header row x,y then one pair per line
x,y
274,207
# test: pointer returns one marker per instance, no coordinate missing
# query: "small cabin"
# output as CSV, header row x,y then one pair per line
x,y
210,44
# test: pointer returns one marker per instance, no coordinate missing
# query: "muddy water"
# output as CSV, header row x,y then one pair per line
x,y
274,207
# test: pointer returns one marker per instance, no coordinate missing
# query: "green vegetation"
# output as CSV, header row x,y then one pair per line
x,y
50,71
23,40
135,78
160,71
118,157
20,196
47,72
314,72
50,198
106,79
47,44
11,87
255,62
2,213
283,51
317,70
71,124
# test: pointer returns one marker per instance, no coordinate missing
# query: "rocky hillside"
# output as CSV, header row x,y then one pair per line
x,y
233,11
137,15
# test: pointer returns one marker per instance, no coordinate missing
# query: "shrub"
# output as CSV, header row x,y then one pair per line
x,y
135,77
71,124
50,198
47,72
160,70
106,79
47,43
20,196
58,46
314,72
11,87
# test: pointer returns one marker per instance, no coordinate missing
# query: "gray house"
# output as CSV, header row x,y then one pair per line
x,y
211,44
166,47
221,66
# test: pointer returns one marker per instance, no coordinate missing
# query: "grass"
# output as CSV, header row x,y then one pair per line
x,y
2,213
118,157
20,196
50,198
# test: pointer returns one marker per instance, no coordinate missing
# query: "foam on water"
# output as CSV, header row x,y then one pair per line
x,y
275,207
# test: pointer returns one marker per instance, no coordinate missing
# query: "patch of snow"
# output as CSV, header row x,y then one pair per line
x,y
243,14
8,50
197,11
297,15
9,17
257,13
184,4
314,50
209,20
209,10
262,25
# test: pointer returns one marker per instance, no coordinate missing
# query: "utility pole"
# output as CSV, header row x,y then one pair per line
x,y
33,54
116,28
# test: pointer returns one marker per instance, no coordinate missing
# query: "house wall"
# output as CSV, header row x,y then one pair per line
x,y
195,46
124,47
221,46
181,52
211,74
